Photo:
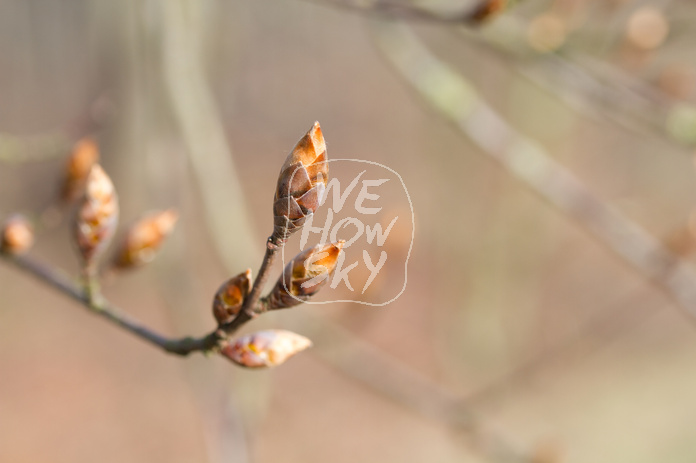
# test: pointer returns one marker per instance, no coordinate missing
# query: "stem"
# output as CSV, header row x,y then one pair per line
x,y
91,284
58,280
249,308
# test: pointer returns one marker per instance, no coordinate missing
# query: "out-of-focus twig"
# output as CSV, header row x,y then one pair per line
x,y
202,131
597,89
454,98
472,12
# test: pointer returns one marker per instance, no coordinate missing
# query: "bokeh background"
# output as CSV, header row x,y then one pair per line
x,y
521,330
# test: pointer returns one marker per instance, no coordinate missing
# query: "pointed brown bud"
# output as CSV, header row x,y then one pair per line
x,y
98,215
265,349
145,237
301,184
229,298
84,155
304,276
17,235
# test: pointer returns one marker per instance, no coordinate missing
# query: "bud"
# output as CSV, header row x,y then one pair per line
x,y
264,349
301,184
98,215
144,238
487,9
17,235
84,155
304,276
229,298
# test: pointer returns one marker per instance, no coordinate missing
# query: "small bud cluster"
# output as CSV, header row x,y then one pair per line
x,y
86,185
97,216
299,193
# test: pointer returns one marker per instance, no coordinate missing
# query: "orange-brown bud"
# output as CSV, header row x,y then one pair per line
x,y
301,184
487,9
265,349
84,155
304,276
17,235
230,297
144,238
98,215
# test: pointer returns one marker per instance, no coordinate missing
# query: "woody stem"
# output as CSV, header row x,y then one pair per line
x,y
98,305
248,310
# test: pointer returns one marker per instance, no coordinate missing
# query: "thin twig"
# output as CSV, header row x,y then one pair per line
x,y
99,306
249,307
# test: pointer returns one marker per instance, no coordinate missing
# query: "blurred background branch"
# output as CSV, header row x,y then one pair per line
x,y
472,12
454,98
197,117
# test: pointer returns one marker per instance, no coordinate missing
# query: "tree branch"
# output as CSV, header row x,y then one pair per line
x,y
97,305
249,308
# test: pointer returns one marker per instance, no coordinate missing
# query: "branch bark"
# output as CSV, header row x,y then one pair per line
x,y
99,306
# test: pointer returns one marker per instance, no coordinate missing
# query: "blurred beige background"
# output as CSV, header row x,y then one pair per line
x,y
559,348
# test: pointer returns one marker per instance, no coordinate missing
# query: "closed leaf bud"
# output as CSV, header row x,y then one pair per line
x,y
144,238
301,184
84,155
305,275
97,216
265,349
17,235
230,297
